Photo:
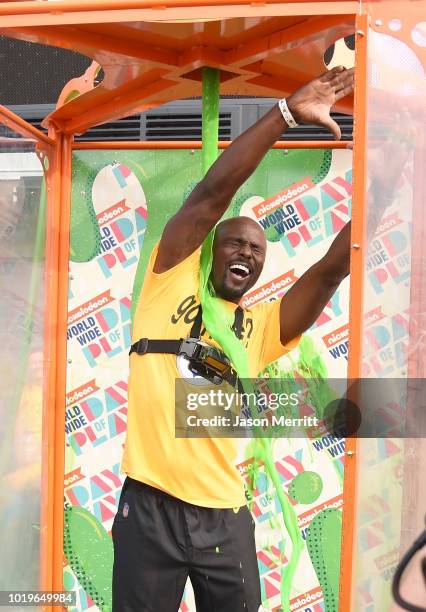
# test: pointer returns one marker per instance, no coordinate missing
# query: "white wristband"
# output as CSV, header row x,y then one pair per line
x,y
288,117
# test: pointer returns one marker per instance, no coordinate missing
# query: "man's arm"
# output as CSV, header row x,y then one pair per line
x,y
186,231
304,302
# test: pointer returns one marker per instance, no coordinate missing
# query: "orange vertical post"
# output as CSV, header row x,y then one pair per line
x,y
61,344
358,242
57,257
53,180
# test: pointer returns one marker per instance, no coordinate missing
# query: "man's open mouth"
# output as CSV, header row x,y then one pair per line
x,y
239,270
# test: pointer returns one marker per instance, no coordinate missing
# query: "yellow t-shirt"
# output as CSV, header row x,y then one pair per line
x,y
200,471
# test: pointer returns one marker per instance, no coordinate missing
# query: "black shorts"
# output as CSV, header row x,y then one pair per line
x,y
159,541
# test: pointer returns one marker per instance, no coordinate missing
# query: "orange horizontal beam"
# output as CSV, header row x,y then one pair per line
x,y
276,85
277,42
73,6
91,42
15,142
117,106
159,12
197,144
22,127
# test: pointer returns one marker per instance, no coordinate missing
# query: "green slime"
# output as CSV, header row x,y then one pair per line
x,y
210,116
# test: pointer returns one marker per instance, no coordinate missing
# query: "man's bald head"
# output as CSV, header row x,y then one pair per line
x,y
240,224
239,252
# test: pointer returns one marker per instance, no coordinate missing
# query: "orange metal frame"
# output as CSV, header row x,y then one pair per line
x,y
356,302
61,343
74,6
57,148
55,343
153,62
52,450
106,10
196,144
58,180
22,127
60,144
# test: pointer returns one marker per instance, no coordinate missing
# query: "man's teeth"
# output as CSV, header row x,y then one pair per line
x,y
240,267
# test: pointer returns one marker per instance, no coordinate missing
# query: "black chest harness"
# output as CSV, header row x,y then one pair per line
x,y
203,359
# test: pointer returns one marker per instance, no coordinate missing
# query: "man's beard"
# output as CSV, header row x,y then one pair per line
x,y
230,293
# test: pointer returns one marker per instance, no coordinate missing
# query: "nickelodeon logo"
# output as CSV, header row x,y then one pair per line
x,y
387,224
338,335
73,477
89,307
372,316
307,517
111,213
299,602
284,196
81,392
269,289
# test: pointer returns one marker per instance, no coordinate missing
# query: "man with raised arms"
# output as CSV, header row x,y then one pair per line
x,y
182,512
